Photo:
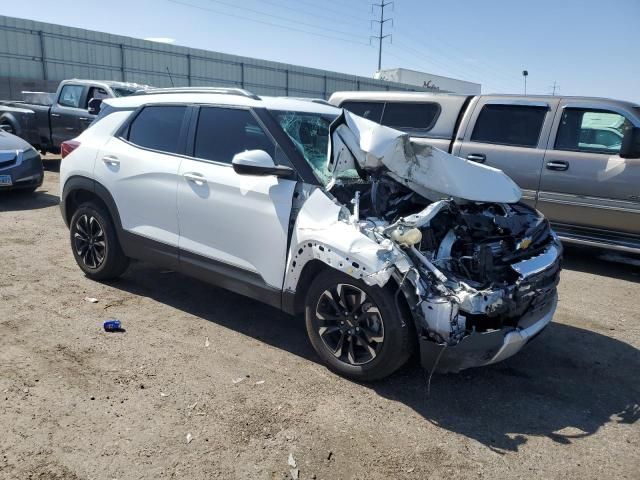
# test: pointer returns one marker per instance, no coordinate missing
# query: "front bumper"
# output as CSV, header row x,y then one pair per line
x,y
24,167
480,349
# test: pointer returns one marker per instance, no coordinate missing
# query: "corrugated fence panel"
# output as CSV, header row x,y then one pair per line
x,y
210,70
73,52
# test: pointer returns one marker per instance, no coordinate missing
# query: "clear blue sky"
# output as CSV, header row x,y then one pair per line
x,y
589,47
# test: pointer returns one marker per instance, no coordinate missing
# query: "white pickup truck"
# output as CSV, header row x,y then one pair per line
x,y
576,159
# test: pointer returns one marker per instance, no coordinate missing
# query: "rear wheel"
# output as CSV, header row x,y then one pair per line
x,y
95,244
355,328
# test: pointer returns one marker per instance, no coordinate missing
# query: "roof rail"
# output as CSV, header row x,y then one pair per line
x,y
218,90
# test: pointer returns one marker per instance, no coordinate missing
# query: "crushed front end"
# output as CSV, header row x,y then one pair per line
x,y
478,268
479,278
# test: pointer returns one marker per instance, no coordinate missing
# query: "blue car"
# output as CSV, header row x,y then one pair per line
x,y
20,164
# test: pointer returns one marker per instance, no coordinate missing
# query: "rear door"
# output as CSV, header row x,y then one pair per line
x,y
67,112
510,134
585,183
139,167
233,228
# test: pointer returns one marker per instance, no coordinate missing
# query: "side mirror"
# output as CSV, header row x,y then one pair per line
x,y
94,106
258,162
631,143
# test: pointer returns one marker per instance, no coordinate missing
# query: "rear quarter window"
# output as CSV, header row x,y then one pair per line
x,y
400,115
158,128
411,116
516,125
369,110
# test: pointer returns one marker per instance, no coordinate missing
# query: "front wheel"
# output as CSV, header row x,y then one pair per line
x,y
355,328
95,244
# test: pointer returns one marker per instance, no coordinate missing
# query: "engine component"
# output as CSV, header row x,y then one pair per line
x,y
406,237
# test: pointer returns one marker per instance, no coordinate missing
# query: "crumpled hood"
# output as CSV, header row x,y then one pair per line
x,y
358,143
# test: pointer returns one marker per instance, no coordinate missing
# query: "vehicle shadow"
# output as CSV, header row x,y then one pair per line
x,y
15,200
623,266
51,164
566,385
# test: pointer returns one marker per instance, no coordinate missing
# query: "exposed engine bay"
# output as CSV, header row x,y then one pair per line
x,y
477,274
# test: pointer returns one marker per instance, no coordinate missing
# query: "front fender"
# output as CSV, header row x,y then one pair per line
x,y
322,232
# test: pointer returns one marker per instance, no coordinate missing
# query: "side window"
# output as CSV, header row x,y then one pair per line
x,y
96,92
158,128
595,131
516,125
413,116
369,110
223,132
70,96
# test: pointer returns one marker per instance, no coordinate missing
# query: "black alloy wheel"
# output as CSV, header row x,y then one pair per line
x,y
356,328
89,241
95,244
349,324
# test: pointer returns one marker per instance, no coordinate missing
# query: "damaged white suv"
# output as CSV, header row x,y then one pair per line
x,y
385,245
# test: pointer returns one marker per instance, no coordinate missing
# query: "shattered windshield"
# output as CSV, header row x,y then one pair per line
x,y
310,133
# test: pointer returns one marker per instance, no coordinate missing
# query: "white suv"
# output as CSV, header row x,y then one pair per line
x,y
383,244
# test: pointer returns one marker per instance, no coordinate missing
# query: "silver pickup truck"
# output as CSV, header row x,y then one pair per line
x,y
576,159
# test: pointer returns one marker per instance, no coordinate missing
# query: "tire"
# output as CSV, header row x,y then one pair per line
x,y
375,340
9,126
94,243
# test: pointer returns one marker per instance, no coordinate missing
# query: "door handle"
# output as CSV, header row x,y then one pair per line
x,y
55,115
111,160
557,165
477,157
196,178
84,119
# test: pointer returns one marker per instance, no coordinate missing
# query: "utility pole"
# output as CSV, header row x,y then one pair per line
x,y
554,87
382,5
525,74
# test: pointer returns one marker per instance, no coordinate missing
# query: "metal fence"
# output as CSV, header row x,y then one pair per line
x,y
37,50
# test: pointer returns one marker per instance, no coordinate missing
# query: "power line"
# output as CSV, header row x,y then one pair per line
x,y
334,18
492,70
264,22
338,13
285,19
382,5
489,71
446,69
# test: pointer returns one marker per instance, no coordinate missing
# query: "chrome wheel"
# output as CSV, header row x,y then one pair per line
x,y
89,241
349,324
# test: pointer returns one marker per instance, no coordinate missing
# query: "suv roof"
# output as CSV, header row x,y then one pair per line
x,y
218,97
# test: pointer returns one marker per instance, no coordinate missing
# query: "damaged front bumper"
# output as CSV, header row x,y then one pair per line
x,y
485,348
539,278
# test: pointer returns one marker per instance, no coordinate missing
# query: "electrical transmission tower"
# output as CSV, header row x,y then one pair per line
x,y
381,36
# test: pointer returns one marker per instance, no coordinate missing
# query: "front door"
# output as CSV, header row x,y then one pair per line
x,y
233,227
584,182
510,135
67,112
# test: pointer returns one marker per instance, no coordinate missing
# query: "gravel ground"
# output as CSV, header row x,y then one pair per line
x,y
208,384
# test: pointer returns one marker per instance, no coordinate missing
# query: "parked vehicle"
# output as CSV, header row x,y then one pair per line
x,y
20,164
54,118
382,243
576,159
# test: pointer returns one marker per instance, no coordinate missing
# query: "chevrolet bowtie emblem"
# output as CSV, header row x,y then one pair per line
x,y
524,243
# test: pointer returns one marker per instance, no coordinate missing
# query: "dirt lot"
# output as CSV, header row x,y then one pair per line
x,y
78,403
